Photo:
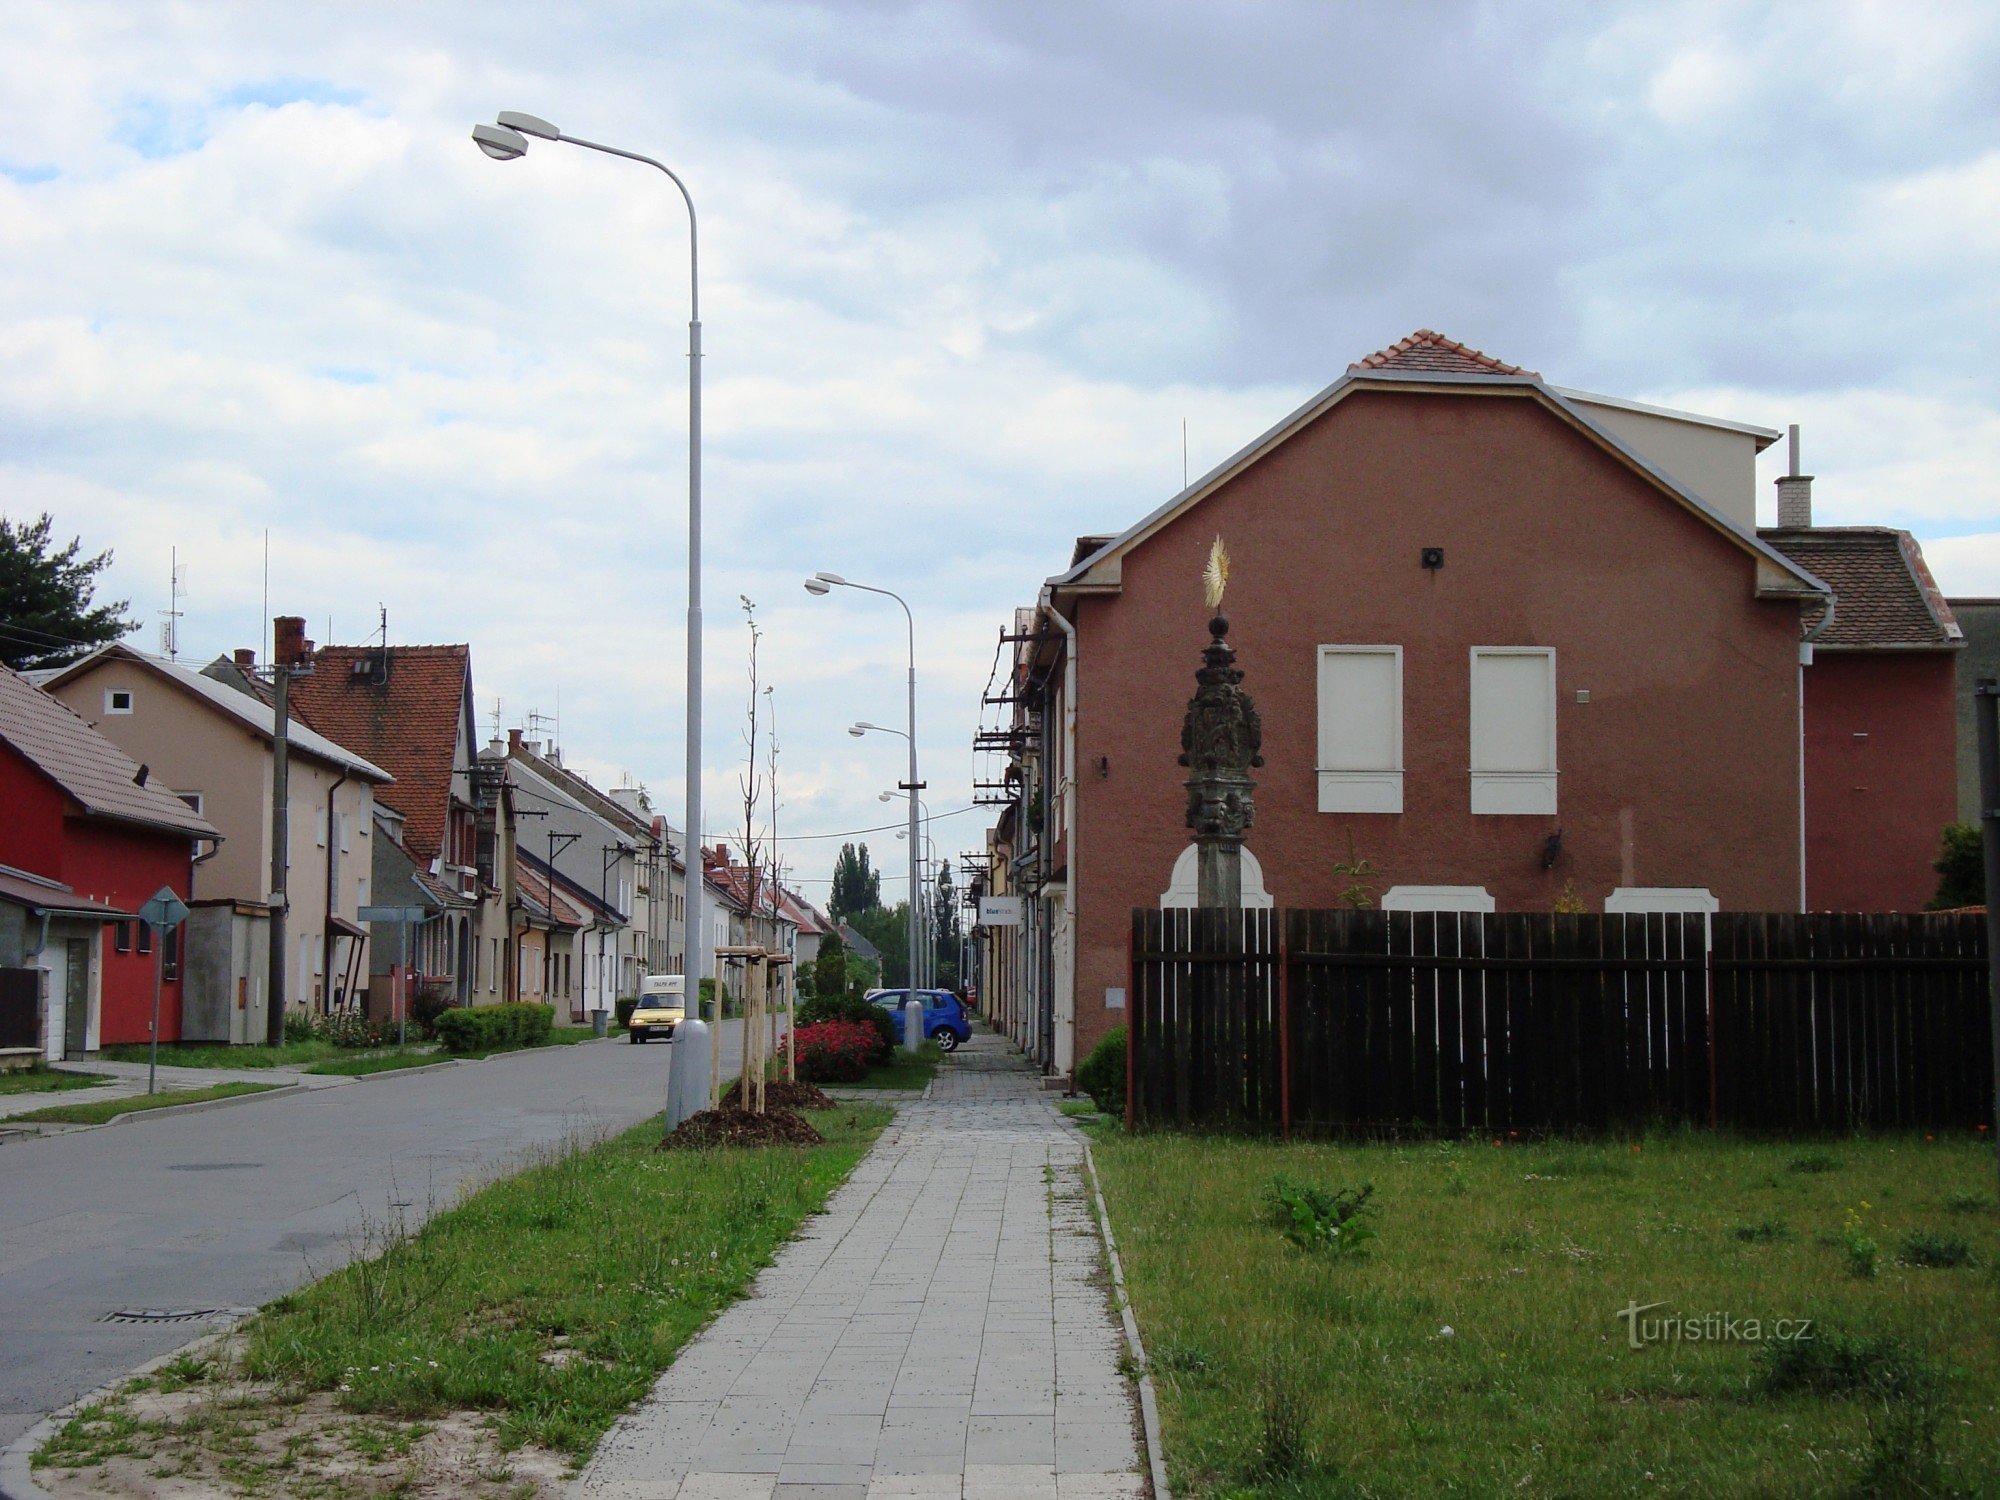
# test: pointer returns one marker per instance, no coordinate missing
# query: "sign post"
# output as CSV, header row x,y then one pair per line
x,y
404,917
163,914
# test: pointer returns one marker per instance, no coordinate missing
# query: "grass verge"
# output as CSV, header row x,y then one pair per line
x,y
98,1113
903,1071
546,1304
353,1066
221,1055
1475,1345
39,1080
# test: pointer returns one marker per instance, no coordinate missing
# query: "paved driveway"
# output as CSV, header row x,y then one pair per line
x,y
231,1207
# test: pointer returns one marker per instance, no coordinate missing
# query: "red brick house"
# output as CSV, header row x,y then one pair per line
x,y
1512,641
84,816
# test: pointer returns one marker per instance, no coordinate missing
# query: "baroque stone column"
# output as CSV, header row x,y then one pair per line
x,y
1220,740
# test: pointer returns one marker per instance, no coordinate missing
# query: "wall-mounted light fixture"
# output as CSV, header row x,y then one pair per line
x,y
1433,557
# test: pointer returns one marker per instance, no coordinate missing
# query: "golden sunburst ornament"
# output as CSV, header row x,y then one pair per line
x,y
1215,577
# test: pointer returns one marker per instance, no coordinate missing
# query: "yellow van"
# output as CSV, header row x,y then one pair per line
x,y
662,1006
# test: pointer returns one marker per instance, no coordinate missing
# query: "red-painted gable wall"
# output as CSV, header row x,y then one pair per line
x,y
124,866
1881,777
31,832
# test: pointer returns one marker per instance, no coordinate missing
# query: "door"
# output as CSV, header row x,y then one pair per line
x,y
76,998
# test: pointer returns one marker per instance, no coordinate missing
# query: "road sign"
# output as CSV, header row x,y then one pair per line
x,y
392,913
164,911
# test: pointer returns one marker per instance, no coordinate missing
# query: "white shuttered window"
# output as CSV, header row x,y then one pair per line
x,y
1361,729
1513,729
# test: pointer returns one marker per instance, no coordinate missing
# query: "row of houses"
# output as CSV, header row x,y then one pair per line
x,y
418,863
1513,646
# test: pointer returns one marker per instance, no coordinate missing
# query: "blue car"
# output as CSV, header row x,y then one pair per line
x,y
944,1016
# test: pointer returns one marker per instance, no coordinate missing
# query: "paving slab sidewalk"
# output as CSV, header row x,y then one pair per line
x,y
942,1332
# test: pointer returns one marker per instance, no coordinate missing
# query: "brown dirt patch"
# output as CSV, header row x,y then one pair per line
x,y
738,1127
781,1093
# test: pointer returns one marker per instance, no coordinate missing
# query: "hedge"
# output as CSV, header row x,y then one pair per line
x,y
824,1008
832,1051
495,1028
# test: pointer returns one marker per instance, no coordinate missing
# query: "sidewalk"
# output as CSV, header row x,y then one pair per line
x,y
942,1332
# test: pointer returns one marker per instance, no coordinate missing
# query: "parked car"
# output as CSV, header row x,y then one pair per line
x,y
944,1016
662,1006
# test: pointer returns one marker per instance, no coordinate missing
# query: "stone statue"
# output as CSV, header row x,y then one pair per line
x,y
1220,740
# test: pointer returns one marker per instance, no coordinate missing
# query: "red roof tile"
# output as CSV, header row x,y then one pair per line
x,y
405,720
1432,352
1883,593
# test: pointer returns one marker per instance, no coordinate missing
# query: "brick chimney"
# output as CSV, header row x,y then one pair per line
x,y
513,742
246,659
289,645
1795,492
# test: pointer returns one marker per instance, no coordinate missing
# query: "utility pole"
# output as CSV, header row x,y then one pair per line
x,y
1986,719
281,680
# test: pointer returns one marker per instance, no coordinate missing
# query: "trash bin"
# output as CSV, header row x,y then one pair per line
x,y
600,1022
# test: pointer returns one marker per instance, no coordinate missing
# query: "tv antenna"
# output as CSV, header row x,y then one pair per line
x,y
170,617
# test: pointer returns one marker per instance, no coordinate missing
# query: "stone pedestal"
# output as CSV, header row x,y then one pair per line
x,y
1220,740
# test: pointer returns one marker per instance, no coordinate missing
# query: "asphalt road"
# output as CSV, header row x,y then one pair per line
x,y
234,1206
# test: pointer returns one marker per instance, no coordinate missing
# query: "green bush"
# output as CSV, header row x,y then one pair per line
x,y
298,1026
823,1008
429,1003
623,1008
1102,1075
495,1028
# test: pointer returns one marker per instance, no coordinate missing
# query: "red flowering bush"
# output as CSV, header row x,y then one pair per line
x,y
833,1051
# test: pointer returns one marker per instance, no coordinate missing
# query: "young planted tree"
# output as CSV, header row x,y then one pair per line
x,y
948,929
46,614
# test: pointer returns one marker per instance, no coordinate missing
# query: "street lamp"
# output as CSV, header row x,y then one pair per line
x,y
820,584
930,916
507,140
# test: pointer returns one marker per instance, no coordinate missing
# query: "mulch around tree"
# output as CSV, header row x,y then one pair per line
x,y
780,1093
739,1127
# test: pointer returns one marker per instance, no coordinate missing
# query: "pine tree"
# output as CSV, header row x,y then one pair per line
x,y
46,614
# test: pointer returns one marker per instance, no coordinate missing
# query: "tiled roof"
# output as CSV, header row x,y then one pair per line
x,y
100,776
38,893
542,902
1884,595
1428,351
405,720
796,909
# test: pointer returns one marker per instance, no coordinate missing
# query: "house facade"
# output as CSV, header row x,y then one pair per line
x,y
88,838
1510,645
211,745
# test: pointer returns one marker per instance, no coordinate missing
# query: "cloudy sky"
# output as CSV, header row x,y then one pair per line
x,y
967,268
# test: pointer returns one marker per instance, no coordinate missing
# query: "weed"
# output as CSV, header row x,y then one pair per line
x,y
1903,1391
1764,1232
1182,1356
1864,1255
1314,1219
1814,1163
1936,1252
1282,1445
181,1371
1967,1203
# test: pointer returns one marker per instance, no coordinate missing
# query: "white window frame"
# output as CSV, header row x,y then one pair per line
x,y
1662,898
319,826
1347,789
111,703
1184,890
193,800
1475,898
1511,793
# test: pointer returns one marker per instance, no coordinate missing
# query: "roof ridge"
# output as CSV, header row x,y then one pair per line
x,y
1429,349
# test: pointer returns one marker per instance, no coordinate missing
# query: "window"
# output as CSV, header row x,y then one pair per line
x,y
319,825
343,823
121,937
1437,898
170,954
1513,730
1361,729
193,800
145,937
360,893
118,700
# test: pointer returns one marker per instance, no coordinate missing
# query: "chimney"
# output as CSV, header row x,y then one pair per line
x,y
513,742
289,645
246,659
1795,492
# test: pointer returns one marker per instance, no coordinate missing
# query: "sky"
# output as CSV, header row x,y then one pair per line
x,y
966,271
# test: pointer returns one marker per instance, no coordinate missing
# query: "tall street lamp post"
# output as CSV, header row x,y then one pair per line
x,y
820,583
507,140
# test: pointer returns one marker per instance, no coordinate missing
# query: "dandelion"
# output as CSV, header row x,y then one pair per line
x,y
1447,1332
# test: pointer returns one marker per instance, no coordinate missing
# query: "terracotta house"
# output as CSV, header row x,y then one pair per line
x,y
1510,643
89,836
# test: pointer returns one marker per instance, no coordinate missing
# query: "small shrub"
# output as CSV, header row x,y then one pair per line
x,y
831,1051
1762,1233
431,1002
1102,1075
351,1028
1814,1163
495,1028
298,1026
1936,1252
1966,1203
1836,1362
1314,1219
855,1011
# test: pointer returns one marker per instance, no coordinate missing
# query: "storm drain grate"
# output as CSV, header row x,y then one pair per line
x,y
163,1314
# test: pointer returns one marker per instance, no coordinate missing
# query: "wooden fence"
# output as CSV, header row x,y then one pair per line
x,y
1365,1021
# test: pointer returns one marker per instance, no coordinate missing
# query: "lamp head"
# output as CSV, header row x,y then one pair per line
x,y
856,730
829,578
513,119
814,586
500,143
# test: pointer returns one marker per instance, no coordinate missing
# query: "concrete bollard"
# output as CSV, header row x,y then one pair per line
x,y
687,1071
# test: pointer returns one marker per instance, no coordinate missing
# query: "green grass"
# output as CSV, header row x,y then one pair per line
x,y
356,1065
39,1080
97,1114
220,1055
904,1071
1288,1372
615,1255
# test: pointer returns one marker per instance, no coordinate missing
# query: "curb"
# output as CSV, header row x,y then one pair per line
x,y
1149,1402
63,1128
17,1479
